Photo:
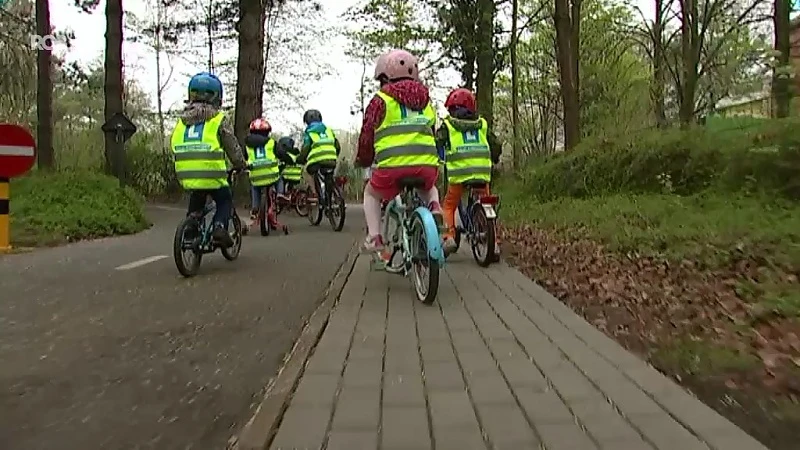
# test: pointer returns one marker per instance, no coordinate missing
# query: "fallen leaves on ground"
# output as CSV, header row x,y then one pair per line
x,y
646,303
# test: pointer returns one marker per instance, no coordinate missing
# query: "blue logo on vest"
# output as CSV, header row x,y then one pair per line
x,y
261,153
194,132
470,136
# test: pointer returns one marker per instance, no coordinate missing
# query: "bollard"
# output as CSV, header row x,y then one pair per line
x,y
5,235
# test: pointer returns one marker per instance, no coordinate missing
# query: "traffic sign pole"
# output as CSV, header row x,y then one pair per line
x,y
5,232
17,156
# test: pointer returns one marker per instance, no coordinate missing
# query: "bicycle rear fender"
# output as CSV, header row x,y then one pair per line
x,y
435,250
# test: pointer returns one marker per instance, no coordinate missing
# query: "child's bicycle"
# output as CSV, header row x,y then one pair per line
x,y
478,223
295,198
331,201
411,232
268,214
193,237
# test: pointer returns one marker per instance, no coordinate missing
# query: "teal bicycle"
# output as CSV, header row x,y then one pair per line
x,y
413,236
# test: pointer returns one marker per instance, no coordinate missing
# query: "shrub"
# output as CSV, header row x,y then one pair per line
x,y
763,156
72,205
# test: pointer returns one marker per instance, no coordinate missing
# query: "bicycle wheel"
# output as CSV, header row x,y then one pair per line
x,y
301,203
483,236
425,271
314,210
235,223
336,212
263,223
187,243
392,233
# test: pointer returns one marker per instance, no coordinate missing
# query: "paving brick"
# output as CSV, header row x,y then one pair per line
x,y
465,438
506,426
451,409
489,388
505,348
477,362
302,427
565,436
665,433
491,327
443,376
543,407
358,408
326,363
367,348
405,428
437,351
316,389
522,373
402,361
363,372
609,428
466,342
570,383
628,397
403,390
352,439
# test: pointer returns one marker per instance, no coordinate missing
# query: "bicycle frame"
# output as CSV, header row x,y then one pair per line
x,y
402,208
473,198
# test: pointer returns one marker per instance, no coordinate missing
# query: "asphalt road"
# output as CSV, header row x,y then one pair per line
x,y
97,357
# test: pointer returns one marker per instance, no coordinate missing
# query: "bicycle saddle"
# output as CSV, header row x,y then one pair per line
x,y
411,182
479,184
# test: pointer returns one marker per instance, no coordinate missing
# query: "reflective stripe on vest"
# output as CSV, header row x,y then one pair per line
x,y
405,137
468,157
322,146
199,158
292,172
265,169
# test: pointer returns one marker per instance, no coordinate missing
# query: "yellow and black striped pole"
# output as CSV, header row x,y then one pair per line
x,y
5,231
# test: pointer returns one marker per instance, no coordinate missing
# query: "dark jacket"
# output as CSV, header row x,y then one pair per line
x,y
316,127
197,112
257,140
464,120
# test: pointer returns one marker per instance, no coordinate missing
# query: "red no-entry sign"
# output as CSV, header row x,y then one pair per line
x,y
17,150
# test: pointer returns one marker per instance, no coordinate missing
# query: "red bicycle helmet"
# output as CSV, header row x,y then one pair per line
x,y
461,97
260,125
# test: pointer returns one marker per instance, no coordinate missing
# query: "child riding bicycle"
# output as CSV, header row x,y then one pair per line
x,y
397,134
264,157
202,138
470,149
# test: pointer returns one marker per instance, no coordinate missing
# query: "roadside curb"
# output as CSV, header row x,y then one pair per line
x,y
259,431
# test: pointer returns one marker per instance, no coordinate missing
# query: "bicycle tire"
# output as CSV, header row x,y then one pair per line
x,y
300,199
340,206
234,251
478,218
263,223
177,249
314,211
432,286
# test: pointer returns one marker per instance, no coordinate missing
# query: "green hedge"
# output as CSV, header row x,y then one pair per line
x,y
763,156
49,208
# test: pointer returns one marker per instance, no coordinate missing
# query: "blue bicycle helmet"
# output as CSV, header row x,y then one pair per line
x,y
205,87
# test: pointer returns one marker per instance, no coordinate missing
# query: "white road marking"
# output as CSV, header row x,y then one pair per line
x,y
16,150
141,262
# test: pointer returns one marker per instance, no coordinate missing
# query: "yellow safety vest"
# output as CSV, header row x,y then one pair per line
x,y
292,172
405,137
199,158
265,170
468,158
323,147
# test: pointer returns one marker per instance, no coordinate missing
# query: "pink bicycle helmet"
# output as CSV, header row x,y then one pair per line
x,y
397,64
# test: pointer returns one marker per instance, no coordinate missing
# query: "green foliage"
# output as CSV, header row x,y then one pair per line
x,y
72,205
761,158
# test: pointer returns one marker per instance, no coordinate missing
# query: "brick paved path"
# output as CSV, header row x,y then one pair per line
x,y
498,363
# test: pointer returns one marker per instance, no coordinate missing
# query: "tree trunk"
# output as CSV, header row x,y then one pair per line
x,y
44,92
159,84
250,65
781,80
114,151
566,58
659,74
515,149
210,35
690,53
485,59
